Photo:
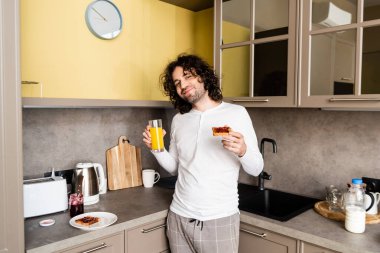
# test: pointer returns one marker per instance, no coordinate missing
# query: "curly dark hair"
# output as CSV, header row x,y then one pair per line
x,y
197,67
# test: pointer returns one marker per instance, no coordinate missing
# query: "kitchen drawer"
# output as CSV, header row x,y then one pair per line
x,y
258,240
110,244
310,248
148,238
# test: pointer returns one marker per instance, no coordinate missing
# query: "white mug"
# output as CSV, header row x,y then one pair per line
x,y
150,177
373,210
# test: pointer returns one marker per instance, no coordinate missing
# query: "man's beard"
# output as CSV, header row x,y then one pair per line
x,y
198,95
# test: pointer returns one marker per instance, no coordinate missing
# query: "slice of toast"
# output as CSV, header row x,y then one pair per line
x,y
220,131
87,220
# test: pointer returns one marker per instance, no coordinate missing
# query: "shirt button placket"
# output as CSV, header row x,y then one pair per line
x,y
199,128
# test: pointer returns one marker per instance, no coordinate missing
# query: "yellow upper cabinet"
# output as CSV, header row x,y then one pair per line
x,y
60,53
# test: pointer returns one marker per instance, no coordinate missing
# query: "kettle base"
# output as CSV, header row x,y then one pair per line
x,y
90,200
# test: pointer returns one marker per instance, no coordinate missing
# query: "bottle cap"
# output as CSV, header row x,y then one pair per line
x,y
357,181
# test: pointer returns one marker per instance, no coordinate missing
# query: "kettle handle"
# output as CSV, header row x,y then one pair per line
x,y
372,201
102,179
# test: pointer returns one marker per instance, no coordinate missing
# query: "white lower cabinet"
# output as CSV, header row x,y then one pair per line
x,y
110,244
259,240
148,238
310,248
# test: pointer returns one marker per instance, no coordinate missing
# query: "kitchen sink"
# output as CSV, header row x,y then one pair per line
x,y
273,204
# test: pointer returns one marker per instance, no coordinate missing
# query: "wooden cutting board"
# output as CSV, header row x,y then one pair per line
x,y
322,208
123,165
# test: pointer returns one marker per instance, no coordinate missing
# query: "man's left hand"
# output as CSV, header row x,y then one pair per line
x,y
235,143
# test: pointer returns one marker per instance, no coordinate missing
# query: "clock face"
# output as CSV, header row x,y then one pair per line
x,y
103,19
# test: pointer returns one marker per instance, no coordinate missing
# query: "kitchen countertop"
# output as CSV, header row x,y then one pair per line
x,y
139,205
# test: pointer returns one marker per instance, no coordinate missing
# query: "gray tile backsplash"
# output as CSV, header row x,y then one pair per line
x,y
60,138
315,148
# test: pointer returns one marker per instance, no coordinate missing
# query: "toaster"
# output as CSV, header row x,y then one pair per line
x,y
44,196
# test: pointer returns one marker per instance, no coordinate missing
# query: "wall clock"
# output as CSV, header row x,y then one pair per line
x,y
104,19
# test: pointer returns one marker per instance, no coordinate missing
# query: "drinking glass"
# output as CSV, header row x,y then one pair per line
x,y
334,198
156,135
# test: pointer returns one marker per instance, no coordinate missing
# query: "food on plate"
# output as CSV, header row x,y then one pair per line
x,y
87,220
221,131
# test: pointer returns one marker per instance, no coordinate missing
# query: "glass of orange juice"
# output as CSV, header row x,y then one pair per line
x,y
156,135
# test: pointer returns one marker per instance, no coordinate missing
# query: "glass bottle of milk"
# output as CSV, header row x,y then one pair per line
x,y
355,207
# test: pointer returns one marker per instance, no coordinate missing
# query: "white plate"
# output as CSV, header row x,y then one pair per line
x,y
106,219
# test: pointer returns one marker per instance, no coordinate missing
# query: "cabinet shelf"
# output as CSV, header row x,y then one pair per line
x,y
28,102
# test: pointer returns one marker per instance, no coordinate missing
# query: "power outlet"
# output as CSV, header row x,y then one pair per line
x,y
373,184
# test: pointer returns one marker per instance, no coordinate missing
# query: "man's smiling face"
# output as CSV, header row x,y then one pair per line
x,y
189,85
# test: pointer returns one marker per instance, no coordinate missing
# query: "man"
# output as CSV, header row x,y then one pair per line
x,y
204,214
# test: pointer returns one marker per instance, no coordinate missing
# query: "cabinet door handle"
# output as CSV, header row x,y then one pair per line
x,y
346,79
251,100
29,82
353,99
152,229
263,235
101,246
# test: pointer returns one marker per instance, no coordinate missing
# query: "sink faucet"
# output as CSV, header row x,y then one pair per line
x,y
263,175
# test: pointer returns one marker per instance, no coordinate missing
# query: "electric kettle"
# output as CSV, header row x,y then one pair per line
x,y
88,179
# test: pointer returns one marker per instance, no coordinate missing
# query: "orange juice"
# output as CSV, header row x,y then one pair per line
x,y
157,139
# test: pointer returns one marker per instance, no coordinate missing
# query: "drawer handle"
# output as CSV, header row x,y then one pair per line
x,y
152,229
251,100
263,235
101,246
346,79
353,99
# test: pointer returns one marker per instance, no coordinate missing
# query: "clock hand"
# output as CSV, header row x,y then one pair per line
x,y
99,14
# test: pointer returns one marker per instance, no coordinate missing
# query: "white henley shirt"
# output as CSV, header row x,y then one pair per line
x,y
208,173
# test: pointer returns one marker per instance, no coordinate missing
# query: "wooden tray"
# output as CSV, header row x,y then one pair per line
x,y
322,208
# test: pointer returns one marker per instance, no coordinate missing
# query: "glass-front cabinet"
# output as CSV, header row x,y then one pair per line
x,y
340,53
255,51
